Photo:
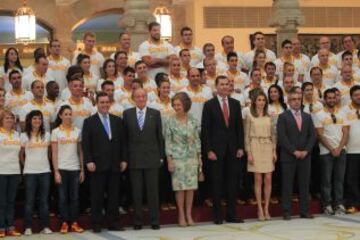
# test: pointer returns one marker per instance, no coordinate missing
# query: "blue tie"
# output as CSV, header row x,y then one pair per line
x,y
106,125
140,119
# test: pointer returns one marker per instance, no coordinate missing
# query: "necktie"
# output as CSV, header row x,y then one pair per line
x,y
298,120
106,125
140,119
225,112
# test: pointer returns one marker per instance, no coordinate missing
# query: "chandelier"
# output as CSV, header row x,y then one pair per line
x,y
163,17
25,24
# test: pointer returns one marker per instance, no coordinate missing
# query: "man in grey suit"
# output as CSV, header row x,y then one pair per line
x,y
144,151
297,136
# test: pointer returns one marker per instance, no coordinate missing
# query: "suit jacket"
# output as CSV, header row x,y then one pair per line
x,y
98,148
144,147
215,135
290,138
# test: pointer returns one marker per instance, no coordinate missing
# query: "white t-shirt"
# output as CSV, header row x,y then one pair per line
x,y
133,57
315,107
222,58
116,109
15,102
91,81
249,57
332,60
67,140
36,153
178,83
241,80
330,75
198,99
80,111
302,62
29,78
332,131
353,145
161,50
59,69
279,62
345,91
9,152
46,109
96,59
195,52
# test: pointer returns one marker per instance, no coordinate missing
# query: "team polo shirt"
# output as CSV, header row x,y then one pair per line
x,y
116,109
164,107
178,83
198,98
249,57
47,109
80,111
150,86
330,75
344,89
121,94
355,58
275,110
59,69
303,62
36,153
9,151
90,81
15,101
133,57
353,118
156,50
312,108
222,58
67,141
332,131
33,76
240,79
332,60
299,70
96,61
196,54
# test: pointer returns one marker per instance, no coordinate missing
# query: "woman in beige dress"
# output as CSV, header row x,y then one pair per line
x,y
260,145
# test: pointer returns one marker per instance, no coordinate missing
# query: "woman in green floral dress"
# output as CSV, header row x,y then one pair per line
x,y
182,143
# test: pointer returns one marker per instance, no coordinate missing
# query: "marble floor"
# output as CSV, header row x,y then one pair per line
x,y
321,228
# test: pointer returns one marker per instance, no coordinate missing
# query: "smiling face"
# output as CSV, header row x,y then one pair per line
x,y
140,98
36,122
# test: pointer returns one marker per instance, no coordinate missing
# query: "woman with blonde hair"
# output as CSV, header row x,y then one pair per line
x,y
260,145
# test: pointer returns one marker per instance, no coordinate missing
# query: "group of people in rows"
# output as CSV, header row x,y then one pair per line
x,y
165,118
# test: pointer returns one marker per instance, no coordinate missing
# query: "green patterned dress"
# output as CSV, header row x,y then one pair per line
x,y
182,142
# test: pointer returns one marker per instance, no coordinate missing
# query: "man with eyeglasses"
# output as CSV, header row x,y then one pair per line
x,y
333,132
296,135
352,112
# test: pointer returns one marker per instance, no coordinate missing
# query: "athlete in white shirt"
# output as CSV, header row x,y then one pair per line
x,y
110,74
197,56
41,72
228,45
324,43
125,45
11,62
115,108
177,80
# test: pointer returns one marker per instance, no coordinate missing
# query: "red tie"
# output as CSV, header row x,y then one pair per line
x,y
225,112
298,120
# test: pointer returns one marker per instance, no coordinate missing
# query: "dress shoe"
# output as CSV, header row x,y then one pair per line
x,y
155,227
115,227
218,222
234,220
307,216
137,227
287,217
97,229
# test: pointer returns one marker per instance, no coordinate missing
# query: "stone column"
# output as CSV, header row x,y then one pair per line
x,y
286,17
135,20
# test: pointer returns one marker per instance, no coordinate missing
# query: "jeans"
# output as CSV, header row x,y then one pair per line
x,y
8,189
69,196
352,179
332,171
37,183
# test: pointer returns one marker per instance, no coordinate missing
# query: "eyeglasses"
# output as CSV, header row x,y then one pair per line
x,y
333,117
358,114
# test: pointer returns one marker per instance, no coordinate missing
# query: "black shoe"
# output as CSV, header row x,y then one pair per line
x,y
97,229
218,222
115,228
137,227
307,216
234,220
287,217
155,227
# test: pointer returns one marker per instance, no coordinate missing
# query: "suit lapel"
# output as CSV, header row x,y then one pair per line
x,y
147,117
112,125
102,125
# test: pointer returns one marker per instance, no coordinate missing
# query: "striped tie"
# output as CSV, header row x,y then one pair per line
x,y
140,119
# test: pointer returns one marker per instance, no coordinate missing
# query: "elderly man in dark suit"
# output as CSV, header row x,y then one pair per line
x,y
222,137
144,151
102,142
297,137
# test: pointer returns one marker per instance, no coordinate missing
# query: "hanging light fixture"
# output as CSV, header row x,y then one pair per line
x,y
25,24
163,16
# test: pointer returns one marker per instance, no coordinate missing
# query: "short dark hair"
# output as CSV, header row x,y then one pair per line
x,y
346,53
107,82
136,80
138,63
99,95
153,24
38,51
160,78
118,53
184,29
35,82
314,69
13,72
353,89
81,58
122,34
184,98
230,55
127,70
328,91
286,41
182,51
74,72
270,64
218,78
207,45
254,70
40,56
345,36
226,36
50,83
305,84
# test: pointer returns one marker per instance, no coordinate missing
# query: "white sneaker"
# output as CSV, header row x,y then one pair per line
x,y
340,210
328,210
46,231
122,211
28,232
